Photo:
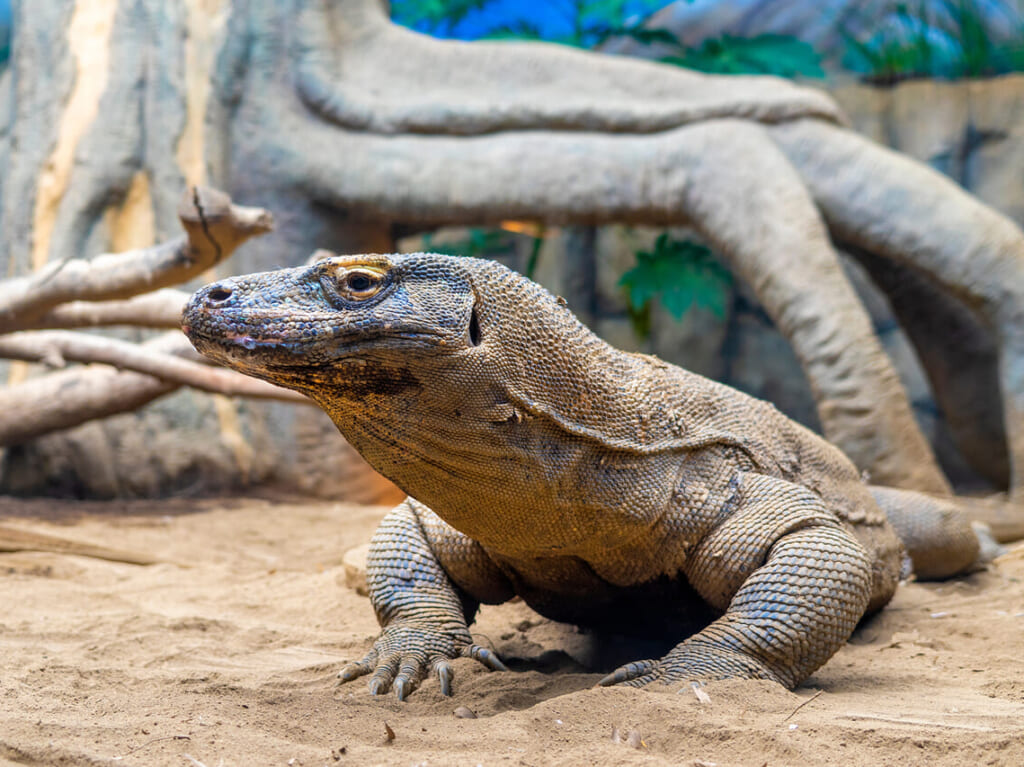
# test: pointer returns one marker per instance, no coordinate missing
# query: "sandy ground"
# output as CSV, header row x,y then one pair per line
x,y
225,653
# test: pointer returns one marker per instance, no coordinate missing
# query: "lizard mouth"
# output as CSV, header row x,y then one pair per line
x,y
235,342
283,350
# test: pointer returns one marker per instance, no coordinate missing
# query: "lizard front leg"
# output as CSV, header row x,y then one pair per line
x,y
414,564
792,582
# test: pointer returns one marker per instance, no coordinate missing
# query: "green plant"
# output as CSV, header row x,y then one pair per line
x,y
779,55
947,39
437,17
478,243
678,274
489,243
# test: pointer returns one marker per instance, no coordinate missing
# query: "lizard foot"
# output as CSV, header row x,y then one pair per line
x,y
403,655
690,663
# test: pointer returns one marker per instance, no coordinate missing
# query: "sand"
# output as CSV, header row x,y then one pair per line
x,y
225,653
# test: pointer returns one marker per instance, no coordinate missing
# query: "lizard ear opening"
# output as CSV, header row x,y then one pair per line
x,y
474,328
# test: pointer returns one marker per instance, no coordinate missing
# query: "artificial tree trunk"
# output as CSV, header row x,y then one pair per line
x,y
960,357
347,126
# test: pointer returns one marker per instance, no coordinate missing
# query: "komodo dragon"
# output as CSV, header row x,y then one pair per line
x,y
607,489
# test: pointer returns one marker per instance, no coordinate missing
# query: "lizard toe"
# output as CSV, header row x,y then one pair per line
x,y
630,673
384,676
485,656
410,673
444,673
359,668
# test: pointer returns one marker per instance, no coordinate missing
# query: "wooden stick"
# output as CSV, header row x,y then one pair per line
x,y
14,539
159,309
56,347
72,397
214,228
793,712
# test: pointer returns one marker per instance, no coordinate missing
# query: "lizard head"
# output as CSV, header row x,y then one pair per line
x,y
344,323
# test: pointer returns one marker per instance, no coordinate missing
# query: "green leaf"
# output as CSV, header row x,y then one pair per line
x,y
518,30
679,274
933,38
647,35
479,243
779,55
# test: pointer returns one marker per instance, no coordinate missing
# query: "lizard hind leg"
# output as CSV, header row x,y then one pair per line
x,y
792,582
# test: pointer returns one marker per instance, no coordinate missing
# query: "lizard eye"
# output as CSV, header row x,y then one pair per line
x,y
359,283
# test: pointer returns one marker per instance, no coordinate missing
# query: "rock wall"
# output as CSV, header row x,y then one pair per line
x,y
971,131
825,24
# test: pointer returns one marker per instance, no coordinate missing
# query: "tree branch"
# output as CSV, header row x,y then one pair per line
x,y
159,309
214,228
484,87
72,397
56,347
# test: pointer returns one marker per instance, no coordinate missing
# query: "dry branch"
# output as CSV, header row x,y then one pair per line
x,y
159,309
72,397
56,347
102,291
214,228
16,539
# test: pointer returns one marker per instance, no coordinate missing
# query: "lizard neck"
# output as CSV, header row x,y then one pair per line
x,y
552,365
501,437
506,478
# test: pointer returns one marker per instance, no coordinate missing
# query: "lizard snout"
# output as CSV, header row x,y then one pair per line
x,y
202,307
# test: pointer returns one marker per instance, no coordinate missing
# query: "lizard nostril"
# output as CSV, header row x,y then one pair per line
x,y
218,294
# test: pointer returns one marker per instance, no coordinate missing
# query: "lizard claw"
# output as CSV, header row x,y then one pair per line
x,y
444,677
402,656
402,687
636,674
485,656
355,670
384,676
409,675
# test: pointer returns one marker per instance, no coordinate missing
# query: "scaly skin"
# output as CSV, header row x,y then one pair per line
x,y
607,489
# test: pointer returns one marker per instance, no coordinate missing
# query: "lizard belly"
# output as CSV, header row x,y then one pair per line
x,y
567,589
